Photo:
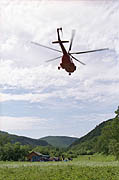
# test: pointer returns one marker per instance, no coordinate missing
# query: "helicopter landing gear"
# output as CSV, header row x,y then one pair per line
x,y
58,68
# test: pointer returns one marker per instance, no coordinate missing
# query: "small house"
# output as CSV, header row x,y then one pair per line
x,y
36,156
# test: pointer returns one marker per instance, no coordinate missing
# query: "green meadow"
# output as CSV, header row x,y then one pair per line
x,y
83,168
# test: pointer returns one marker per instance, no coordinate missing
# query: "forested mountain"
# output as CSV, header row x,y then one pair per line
x,y
88,144
56,141
24,140
103,139
59,141
92,134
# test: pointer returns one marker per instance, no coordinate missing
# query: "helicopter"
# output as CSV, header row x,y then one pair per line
x,y
67,57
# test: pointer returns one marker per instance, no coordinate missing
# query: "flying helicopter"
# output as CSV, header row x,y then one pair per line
x,y
67,57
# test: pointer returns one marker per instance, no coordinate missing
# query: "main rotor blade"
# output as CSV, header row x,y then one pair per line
x,y
53,59
81,52
77,60
72,38
46,47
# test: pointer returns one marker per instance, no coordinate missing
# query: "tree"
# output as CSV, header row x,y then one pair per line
x,y
4,139
14,152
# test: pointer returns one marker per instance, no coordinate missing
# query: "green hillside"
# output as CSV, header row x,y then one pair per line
x,y
92,134
56,141
59,141
91,143
102,139
24,140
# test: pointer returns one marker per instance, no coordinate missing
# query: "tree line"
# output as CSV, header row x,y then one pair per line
x,y
18,152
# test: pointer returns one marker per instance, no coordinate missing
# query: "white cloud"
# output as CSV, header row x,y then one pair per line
x,y
8,123
34,77
83,85
9,44
26,97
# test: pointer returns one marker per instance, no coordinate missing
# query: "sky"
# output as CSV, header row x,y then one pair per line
x,y
37,99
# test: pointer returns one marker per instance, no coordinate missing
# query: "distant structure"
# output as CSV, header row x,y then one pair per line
x,y
36,156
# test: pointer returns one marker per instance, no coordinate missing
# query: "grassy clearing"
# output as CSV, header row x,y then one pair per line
x,y
96,158
82,168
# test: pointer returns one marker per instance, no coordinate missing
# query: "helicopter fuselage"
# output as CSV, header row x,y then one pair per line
x,y
67,62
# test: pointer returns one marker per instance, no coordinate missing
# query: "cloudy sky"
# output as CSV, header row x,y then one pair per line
x,y
36,99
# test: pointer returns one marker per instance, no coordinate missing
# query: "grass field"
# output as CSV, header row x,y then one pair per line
x,y
83,168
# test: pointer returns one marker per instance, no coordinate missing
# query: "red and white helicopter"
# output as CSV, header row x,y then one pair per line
x,y
66,59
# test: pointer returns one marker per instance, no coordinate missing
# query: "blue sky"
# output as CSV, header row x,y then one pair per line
x,y
38,100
